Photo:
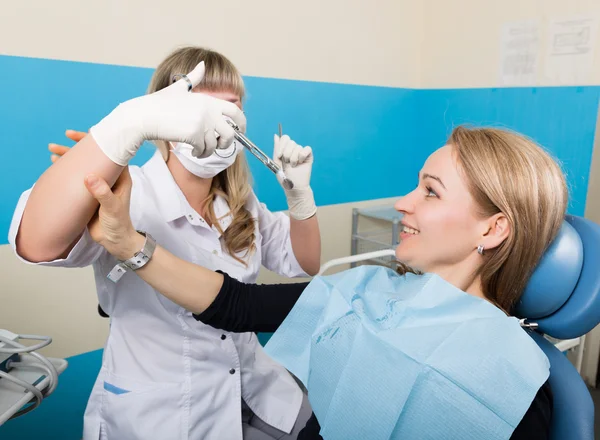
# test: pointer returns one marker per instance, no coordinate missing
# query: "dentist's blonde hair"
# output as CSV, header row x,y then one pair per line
x,y
233,184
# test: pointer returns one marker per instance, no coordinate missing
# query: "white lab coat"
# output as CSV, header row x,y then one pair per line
x,y
165,375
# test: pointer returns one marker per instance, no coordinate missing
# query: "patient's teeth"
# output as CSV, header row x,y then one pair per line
x,y
410,230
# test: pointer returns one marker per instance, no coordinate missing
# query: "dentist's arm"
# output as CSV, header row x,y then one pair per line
x,y
59,207
215,298
58,150
296,162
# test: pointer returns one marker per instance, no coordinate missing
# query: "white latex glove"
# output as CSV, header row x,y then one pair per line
x,y
171,114
296,162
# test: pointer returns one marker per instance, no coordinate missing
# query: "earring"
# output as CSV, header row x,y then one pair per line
x,y
480,249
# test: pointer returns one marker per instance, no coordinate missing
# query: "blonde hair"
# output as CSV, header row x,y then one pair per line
x,y
233,184
507,172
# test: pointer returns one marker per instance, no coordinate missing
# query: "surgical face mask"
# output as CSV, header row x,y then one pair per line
x,y
209,166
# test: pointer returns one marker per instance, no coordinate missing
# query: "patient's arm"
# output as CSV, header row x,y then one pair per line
x,y
241,307
215,298
237,307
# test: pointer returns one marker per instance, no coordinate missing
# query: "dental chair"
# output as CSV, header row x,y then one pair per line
x,y
562,300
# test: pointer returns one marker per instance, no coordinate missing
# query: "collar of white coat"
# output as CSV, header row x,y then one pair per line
x,y
171,200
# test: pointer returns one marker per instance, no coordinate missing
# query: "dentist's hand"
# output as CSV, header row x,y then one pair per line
x,y
171,114
296,162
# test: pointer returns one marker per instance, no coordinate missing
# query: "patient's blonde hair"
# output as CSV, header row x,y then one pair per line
x,y
509,173
233,184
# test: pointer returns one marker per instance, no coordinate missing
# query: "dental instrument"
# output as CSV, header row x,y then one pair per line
x,y
266,160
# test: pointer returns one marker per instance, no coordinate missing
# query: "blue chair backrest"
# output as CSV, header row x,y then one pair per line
x,y
563,299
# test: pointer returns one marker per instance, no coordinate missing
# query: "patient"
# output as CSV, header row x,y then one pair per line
x,y
486,207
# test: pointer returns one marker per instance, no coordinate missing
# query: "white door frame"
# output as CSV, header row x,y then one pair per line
x,y
591,347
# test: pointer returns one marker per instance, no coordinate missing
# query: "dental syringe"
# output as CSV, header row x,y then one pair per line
x,y
257,152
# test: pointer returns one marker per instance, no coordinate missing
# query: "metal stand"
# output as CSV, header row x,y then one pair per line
x,y
382,229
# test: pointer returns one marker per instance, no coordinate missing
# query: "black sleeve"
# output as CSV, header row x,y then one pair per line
x,y
241,307
312,430
536,422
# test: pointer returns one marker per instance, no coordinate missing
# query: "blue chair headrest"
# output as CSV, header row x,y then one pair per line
x,y
555,276
563,294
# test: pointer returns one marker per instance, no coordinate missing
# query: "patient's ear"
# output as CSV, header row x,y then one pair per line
x,y
495,229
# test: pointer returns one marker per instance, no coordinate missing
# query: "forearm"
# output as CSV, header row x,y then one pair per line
x,y
306,243
241,307
214,298
188,285
59,206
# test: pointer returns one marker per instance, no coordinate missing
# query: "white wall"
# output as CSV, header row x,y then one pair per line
x,y
341,41
462,39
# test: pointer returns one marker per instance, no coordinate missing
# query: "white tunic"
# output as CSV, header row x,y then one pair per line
x,y
165,375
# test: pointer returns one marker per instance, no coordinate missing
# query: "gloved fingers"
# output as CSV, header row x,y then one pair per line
x,y
295,155
210,142
199,147
287,149
277,149
233,111
226,133
304,155
186,83
195,77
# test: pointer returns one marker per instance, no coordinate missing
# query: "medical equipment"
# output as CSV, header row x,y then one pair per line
x,y
368,256
26,377
5,357
266,160
373,229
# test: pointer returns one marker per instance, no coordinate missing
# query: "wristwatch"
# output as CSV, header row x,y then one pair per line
x,y
139,260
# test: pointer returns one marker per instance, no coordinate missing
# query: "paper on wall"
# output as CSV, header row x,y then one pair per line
x,y
570,50
519,53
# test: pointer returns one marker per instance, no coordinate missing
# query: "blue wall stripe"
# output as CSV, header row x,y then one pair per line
x,y
562,119
369,142
347,126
